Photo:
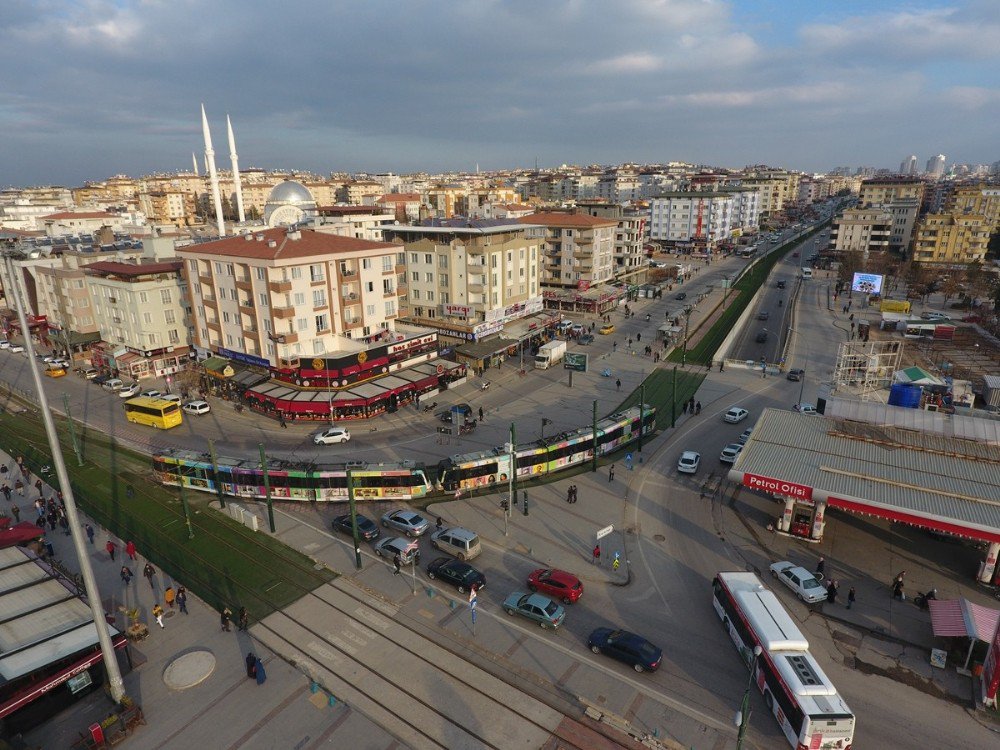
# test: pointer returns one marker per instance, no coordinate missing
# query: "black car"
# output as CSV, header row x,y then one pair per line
x,y
762,337
630,648
587,338
781,283
795,374
101,379
763,315
682,295
459,574
367,528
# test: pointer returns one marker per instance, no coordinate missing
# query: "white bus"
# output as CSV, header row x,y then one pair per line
x,y
807,273
798,693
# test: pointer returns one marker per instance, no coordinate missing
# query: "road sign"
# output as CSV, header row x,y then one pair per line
x,y
605,531
576,361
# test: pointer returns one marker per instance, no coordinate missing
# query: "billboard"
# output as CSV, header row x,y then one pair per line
x,y
576,361
867,283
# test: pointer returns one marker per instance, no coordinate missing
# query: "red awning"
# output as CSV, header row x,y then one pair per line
x,y
960,617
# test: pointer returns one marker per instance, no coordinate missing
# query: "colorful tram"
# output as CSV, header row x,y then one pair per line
x,y
545,456
296,480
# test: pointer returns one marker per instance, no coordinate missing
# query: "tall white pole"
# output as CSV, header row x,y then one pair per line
x,y
236,171
213,176
194,163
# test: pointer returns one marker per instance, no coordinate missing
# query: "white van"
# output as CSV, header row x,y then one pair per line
x,y
807,273
461,543
114,385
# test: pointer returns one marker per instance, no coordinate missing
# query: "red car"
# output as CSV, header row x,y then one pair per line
x,y
558,584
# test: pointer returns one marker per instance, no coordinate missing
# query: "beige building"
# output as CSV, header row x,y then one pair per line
x,y
878,192
982,200
951,239
168,207
776,189
279,295
629,258
404,207
443,200
354,192
579,250
861,230
475,200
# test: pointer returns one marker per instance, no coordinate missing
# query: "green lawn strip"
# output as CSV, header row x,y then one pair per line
x,y
659,390
213,565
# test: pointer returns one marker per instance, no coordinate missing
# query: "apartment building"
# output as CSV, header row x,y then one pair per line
x,y
354,192
579,250
904,213
621,187
473,203
861,230
692,219
881,191
443,200
403,207
360,222
628,254
951,239
982,200
168,207
466,279
81,222
776,189
277,295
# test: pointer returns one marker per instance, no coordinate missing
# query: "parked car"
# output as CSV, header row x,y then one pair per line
x,y
100,379
804,408
606,329
170,397
16,348
730,453
735,414
390,546
689,462
799,580
535,607
745,435
89,373
197,407
367,528
331,436
151,393
626,647
461,543
410,523
558,584
4,344
459,574
112,384
933,316
796,374
587,338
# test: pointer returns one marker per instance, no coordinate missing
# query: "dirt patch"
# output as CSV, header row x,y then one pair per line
x,y
907,677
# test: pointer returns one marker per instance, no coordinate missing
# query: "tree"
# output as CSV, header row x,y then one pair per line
x,y
951,287
850,263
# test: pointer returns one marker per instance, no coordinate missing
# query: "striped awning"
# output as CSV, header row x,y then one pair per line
x,y
960,617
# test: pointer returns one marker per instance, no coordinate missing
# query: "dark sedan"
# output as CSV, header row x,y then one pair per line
x,y
796,374
682,295
459,574
367,528
626,647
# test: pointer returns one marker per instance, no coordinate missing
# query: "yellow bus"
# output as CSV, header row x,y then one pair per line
x,y
154,412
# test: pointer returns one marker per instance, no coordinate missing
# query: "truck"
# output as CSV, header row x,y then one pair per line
x,y
550,354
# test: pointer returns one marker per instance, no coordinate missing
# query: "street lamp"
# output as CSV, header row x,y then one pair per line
x,y
687,319
742,719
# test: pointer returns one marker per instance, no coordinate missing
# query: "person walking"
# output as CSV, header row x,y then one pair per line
x,y
597,554
897,590
111,547
259,672
148,571
831,592
282,422
851,596
618,384
396,563
182,600
684,407
63,521
126,575
820,564
226,618
19,486
169,596
158,614
242,619
130,549
90,532
480,414
7,491
697,408
438,523
251,662
15,511
569,494
611,473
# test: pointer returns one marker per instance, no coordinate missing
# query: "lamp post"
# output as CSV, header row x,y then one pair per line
x,y
742,719
687,321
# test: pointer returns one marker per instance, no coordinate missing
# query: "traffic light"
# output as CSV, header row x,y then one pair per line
x,y
524,499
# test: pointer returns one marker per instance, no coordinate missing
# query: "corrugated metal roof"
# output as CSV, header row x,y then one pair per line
x,y
931,475
936,422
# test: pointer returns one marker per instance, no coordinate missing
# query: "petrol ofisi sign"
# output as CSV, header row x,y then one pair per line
x,y
778,486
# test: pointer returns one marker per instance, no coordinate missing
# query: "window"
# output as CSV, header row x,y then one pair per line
x,y
390,308
218,268
261,273
387,263
430,295
370,310
173,337
414,276
302,323
296,272
370,286
400,259
429,259
319,298
168,317
366,264
414,294
267,326
300,299
442,261
230,342
165,296
193,265
147,318
387,286
321,323
229,269
429,277
262,298
316,272
143,298
414,258
227,317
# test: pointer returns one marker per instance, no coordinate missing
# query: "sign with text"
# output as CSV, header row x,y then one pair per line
x,y
605,531
867,283
778,486
576,361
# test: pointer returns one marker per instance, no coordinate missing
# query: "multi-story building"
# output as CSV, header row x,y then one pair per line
x,y
579,250
776,189
861,230
169,207
692,219
630,259
466,279
980,199
81,222
903,213
360,222
442,200
473,203
354,192
404,207
879,192
277,295
951,239
620,187
21,208
935,167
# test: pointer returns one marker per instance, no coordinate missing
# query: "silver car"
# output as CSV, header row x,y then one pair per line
x,y
391,546
410,523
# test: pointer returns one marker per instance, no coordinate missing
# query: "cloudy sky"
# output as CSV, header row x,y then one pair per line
x,y
92,88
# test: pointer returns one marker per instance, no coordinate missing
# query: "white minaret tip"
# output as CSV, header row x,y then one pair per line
x,y
237,184
194,163
212,174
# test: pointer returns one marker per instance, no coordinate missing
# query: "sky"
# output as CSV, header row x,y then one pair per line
x,y
93,88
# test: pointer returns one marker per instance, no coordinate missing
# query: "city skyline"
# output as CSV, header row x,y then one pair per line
x,y
116,87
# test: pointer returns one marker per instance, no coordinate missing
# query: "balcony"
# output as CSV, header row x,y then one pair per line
x,y
317,280
245,284
246,307
283,313
388,293
347,273
205,278
280,287
351,299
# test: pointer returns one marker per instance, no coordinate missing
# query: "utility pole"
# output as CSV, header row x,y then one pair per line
x,y
673,399
215,473
72,431
267,488
593,460
512,484
687,320
186,509
354,518
642,412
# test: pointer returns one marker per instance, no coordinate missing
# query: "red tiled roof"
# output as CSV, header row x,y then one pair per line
x,y
399,198
81,215
310,244
134,269
559,219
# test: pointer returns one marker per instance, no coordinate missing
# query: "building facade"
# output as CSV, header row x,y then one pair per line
x,y
629,256
692,220
879,192
951,239
579,250
861,230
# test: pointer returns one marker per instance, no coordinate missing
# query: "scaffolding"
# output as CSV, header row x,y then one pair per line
x,y
866,367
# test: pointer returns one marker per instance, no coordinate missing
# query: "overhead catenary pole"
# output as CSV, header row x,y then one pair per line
x,y
593,460
267,488
215,473
185,509
513,469
642,412
72,431
673,399
354,518
94,599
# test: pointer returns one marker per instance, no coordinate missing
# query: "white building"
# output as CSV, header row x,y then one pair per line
x,y
700,218
579,250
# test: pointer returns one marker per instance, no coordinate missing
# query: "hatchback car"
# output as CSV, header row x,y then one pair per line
x,y
17,348
730,453
933,316
89,373
172,397
804,408
410,523
459,574
606,329
795,374
197,407
461,543
128,391
409,552
151,393
735,414
799,580
626,647
558,584
331,436
587,338
689,462
367,529
535,607
4,344
114,385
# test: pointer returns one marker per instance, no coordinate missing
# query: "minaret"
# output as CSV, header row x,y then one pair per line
x,y
236,171
194,162
213,176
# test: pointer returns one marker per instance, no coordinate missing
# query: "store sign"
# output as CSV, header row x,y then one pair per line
x,y
411,343
243,357
456,311
512,312
778,486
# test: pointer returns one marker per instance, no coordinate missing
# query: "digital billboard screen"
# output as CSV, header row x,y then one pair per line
x,y
867,283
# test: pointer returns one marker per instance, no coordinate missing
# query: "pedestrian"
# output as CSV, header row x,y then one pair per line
x,y
16,512
111,547
169,596
721,365
697,408
597,554
480,414
629,342
897,590
691,405
396,563
438,523
126,575
242,619
90,532
618,384
63,521
226,618
574,493
158,614
831,592
3,469
251,663
19,486
282,422
611,473
130,549
7,491
684,406
614,346
569,494
899,576
851,596
820,564
38,486
149,571
259,672
182,600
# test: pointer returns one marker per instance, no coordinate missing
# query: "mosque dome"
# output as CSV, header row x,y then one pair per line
x,y
290,191
288,203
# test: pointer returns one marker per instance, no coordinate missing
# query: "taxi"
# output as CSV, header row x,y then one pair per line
x,y
607,328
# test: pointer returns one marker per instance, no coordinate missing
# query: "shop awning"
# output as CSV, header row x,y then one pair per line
x,y
960,617
218,366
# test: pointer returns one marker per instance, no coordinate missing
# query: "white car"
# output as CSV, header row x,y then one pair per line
x,y
332,435
197,407
16,348
4,344
799,580
933,316
151,393
805,408
730,453
128,391
736,414
689,462
170,397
